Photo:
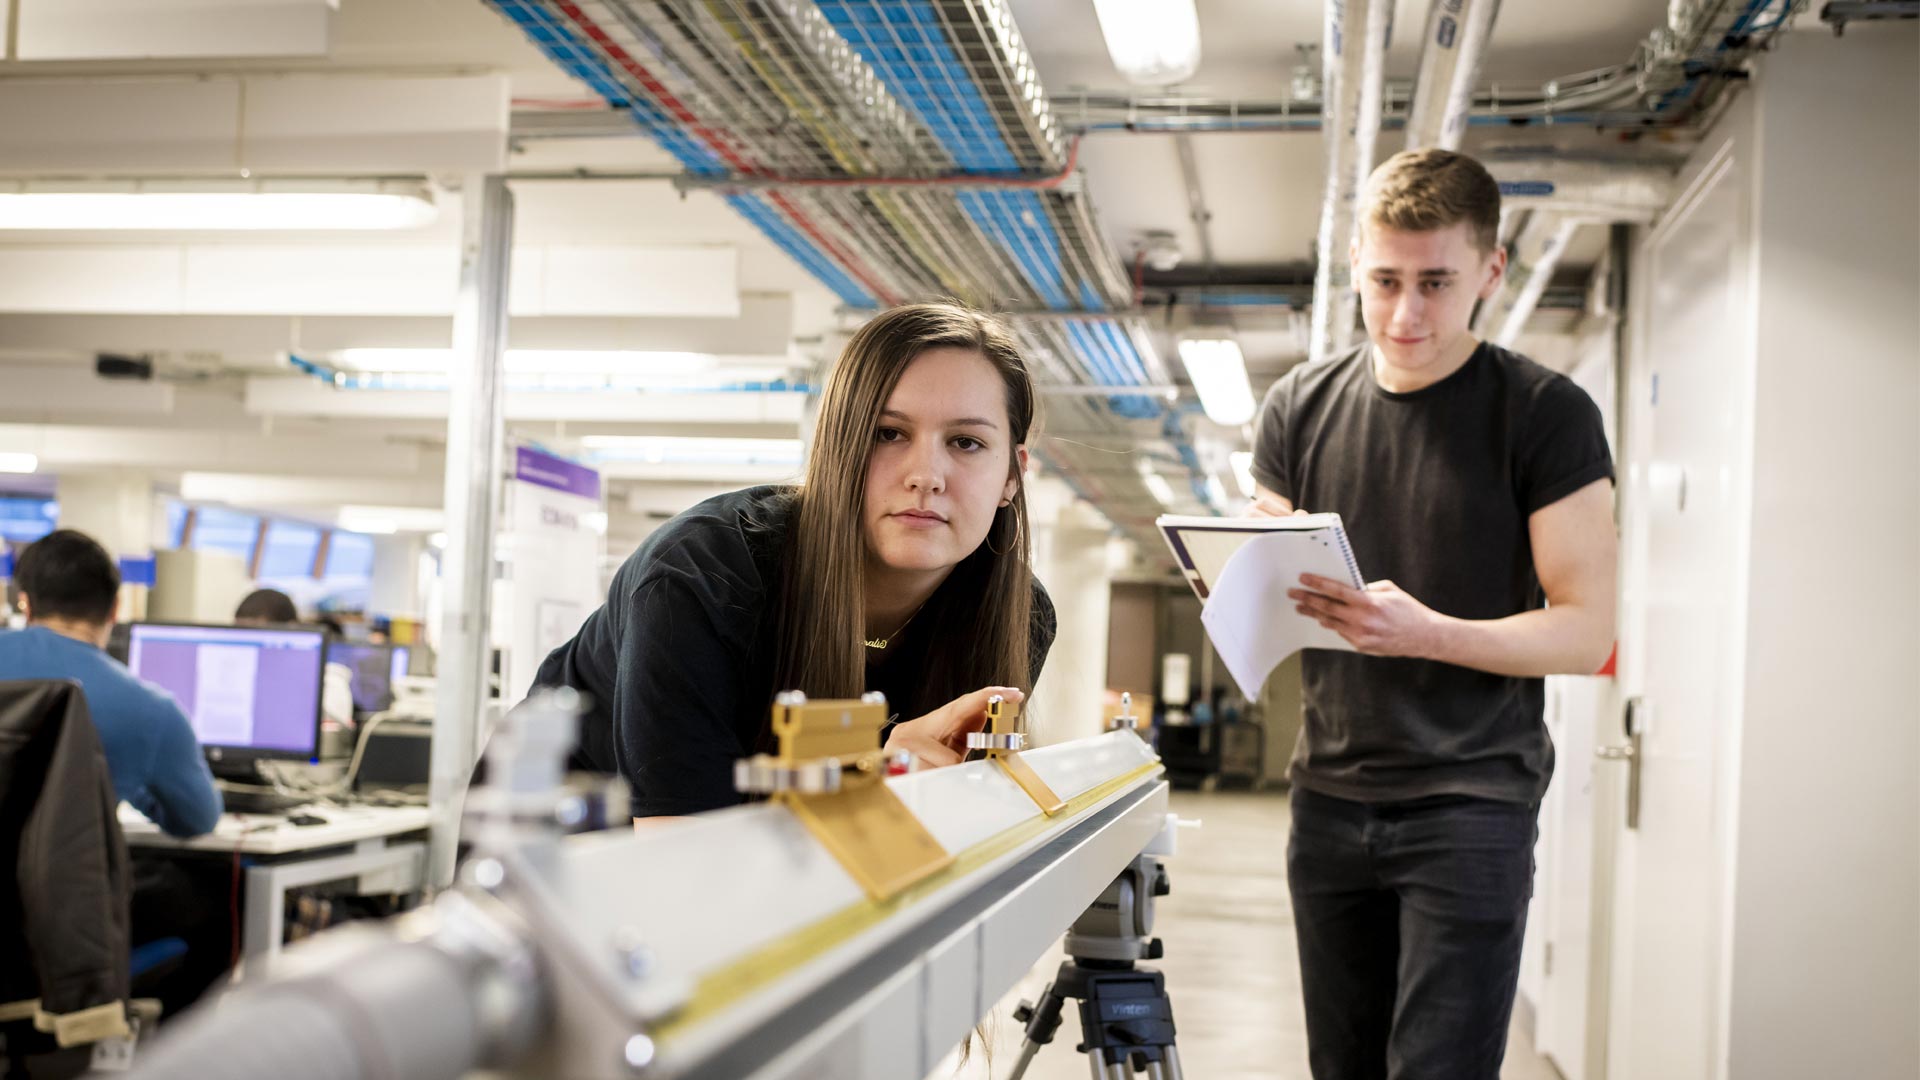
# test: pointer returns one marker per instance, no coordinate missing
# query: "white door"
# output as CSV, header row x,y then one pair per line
x,y
1689,392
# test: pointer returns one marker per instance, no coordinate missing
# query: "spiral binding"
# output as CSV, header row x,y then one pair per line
x,y
1346,552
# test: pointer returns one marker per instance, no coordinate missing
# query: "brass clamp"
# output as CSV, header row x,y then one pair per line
x,y
1003,744
830,773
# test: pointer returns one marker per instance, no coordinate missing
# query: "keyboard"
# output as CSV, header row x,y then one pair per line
x,y
240,801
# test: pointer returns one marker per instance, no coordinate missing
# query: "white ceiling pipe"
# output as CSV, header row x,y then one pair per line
x,y
1538,274
1457,33
1532,255
1354,78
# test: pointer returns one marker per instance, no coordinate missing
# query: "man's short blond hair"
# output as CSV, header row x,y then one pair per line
x,y
1425,190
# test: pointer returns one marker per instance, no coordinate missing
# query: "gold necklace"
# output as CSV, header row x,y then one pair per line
x,y
882,643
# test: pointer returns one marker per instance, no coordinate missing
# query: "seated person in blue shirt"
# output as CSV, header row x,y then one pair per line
x,y
68,588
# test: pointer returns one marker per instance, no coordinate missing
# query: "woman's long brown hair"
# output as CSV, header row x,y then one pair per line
x,y
975,629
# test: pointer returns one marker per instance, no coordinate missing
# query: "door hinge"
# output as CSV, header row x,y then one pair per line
x,y
1549,958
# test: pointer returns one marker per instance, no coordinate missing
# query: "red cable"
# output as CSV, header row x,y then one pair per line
x,y
1041,183
722,147
233,905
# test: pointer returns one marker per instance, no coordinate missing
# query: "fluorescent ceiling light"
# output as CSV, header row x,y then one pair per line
x,y
1158,486
19,463
1242,461
664,449
1219,374
532,362
1216,491
222,211
391,519
1152,42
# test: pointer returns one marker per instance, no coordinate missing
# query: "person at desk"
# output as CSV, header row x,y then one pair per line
x,y
68,589
266,607
899,565
1477,484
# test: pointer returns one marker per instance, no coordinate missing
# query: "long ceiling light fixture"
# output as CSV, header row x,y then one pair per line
x,y
1156,484
18,463
1218,371
558,370
1152,42
679,450
248,207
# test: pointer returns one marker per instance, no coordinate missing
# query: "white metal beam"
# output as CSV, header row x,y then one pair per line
x,y
301,395
348,279
219,124
65,447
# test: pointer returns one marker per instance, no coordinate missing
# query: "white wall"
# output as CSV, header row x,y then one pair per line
x,y
1826,936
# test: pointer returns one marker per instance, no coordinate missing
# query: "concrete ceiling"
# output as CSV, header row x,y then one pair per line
x,y
1262,188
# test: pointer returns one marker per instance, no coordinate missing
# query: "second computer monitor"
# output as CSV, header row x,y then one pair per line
x,y
251,692
375,669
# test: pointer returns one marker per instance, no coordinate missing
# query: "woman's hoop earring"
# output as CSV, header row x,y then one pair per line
x,y
989,540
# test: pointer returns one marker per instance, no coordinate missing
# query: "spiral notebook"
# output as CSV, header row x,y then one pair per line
x,y
1241,568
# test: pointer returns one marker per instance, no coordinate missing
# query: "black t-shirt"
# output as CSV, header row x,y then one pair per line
x,y
1435,487
679,662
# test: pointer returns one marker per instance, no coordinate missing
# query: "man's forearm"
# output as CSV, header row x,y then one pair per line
x,y
1559,640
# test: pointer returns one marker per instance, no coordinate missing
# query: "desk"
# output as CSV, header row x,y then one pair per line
x,y
362,842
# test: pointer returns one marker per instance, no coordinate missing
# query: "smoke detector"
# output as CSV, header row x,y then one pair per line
x,y
1160,250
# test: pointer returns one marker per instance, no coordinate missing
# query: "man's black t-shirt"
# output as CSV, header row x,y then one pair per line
x,y
1435,487
679,661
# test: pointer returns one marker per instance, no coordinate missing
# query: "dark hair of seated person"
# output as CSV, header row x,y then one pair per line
x,y
266,606
66,574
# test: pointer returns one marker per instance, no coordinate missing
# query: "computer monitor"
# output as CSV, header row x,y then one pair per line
x,y
251,692
375,669
118,639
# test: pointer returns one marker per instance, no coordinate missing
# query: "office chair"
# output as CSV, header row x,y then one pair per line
x,y
65,969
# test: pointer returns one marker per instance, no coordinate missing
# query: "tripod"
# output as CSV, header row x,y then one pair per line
x,y
1126,1018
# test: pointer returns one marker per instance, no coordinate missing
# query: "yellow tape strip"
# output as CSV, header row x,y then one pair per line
x,y
723,986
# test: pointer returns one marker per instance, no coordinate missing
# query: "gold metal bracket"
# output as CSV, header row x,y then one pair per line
x,y
831,774
1003,742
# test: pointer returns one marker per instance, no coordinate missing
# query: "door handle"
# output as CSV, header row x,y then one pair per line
x,y
1629,752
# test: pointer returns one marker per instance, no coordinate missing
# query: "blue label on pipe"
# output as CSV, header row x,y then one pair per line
x,y
137,570
1445,34
1526,187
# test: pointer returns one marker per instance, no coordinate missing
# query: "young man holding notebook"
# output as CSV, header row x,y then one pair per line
x,y
1477,486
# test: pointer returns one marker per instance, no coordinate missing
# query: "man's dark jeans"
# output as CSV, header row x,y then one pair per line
x,y
1409,917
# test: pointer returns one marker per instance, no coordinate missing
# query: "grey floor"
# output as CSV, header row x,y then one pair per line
x,y
1230,964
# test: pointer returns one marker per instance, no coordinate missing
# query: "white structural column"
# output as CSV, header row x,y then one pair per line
x,y
113,506
1070,559
1355,65
475,445
396,575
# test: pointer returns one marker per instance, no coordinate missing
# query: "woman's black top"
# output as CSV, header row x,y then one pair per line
x,y
678,663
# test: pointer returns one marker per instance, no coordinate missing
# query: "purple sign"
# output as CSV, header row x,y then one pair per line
x,y
558,473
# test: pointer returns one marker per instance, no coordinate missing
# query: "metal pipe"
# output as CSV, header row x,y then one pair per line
x,y
1605,191
1538,273
476,434
1196,202
1457,32
1356,45
1535,248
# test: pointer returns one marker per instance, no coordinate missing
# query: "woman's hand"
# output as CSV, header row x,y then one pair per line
x,y
940,737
